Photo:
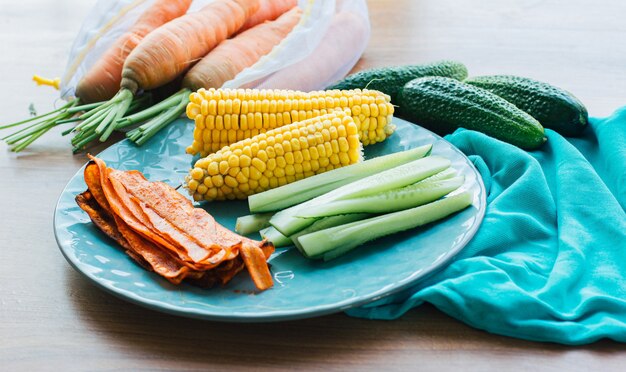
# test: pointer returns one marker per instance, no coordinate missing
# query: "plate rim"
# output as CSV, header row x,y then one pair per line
x,y
279,315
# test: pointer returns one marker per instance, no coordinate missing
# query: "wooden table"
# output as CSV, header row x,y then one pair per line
x,y
52,318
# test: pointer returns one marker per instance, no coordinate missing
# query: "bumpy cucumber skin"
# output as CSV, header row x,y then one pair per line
x,y
390,80
553,107
443,105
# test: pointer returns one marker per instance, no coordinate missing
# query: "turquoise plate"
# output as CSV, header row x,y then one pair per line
x,y
302,288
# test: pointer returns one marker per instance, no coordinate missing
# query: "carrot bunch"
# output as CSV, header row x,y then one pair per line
x,y
220,65
103,79
163,44
163,55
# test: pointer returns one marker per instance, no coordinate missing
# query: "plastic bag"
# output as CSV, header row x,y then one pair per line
x,y
319,51
104,24
108,20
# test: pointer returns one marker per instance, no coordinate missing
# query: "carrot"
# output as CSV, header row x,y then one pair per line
x,y
269,10
222,64
172,48
244,50
336,49
103,79
163,55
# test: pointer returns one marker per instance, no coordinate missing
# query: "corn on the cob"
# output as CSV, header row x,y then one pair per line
x,y
277,157
224,116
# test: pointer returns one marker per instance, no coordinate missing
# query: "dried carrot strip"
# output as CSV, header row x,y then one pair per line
x,y
255,261
103,221
92,179
165,233
161,262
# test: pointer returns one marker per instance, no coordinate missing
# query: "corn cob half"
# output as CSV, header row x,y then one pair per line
x,y
277,157
224,116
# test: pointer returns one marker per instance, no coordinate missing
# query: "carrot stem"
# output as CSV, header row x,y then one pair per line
x,y
87,107
18,136
32,139
14,134
64,107
142,134
79,145
110,114
92,119
153,111
119,111
70,120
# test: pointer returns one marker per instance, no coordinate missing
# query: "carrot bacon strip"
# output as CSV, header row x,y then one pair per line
x,y
120,204
161,262
166,206
150,217
164,232
141,250
100,218
254,258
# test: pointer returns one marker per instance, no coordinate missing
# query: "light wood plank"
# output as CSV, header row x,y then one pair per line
x,y
53,319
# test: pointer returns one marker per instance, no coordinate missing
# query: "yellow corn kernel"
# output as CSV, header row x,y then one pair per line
x,y
256,111
277,157
193,185
217,180
202,189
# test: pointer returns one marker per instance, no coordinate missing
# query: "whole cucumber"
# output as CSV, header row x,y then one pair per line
x,y
390,80
443,105
553,107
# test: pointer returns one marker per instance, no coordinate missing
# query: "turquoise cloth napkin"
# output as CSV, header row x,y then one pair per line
x,y
548,262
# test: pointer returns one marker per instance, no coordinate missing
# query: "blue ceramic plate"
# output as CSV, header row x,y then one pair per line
x,y
302,288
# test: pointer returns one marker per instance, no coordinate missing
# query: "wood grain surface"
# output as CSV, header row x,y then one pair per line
x,y
51,318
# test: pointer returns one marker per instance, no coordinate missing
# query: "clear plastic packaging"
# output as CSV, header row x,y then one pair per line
x,y
319,31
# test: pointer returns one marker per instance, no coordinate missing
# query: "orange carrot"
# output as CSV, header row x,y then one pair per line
x,y
269,10
172,48
233,55
335,50
102,80
163,55
220,65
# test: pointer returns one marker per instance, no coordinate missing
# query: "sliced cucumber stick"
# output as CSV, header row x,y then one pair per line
x,y
288,223
252,223
336,241
389,201
309,188
280,240
275,237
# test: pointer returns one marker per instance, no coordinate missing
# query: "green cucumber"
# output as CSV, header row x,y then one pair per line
x,y
442,105
288,222
309,188
336,241
280,240
275,237
390,80
395,200
252,223
553,107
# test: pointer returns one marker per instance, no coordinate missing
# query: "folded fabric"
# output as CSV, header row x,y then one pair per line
x,y
549,260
